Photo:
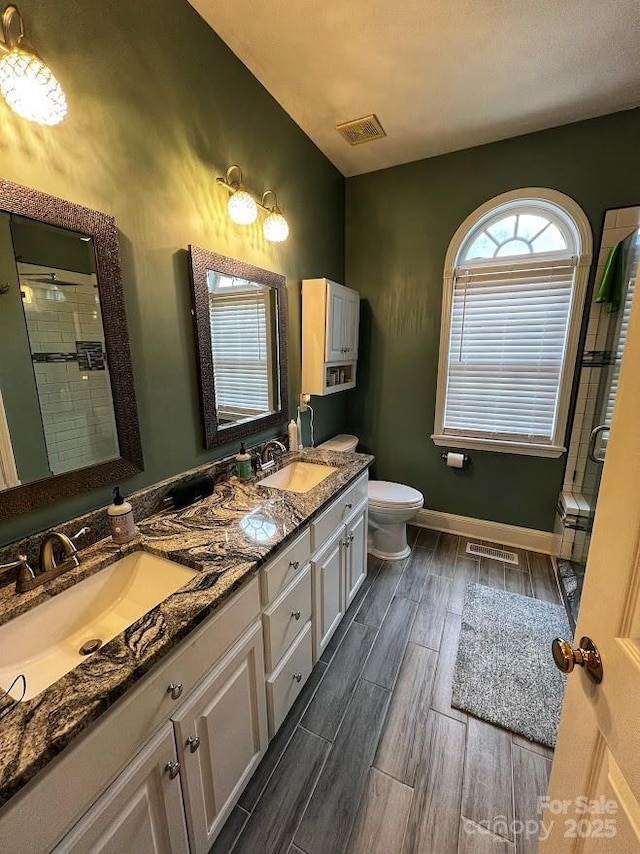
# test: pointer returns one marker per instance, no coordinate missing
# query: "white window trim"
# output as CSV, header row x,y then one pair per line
x,y
583,228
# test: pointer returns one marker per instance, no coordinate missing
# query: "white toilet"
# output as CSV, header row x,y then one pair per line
x,y
391,506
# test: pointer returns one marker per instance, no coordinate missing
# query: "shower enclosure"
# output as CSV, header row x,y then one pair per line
x,y
598,384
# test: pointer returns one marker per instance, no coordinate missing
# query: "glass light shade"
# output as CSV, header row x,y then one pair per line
x,y
30,88
275,227
242,208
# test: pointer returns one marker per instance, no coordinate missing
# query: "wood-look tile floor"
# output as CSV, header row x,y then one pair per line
x,y
372,757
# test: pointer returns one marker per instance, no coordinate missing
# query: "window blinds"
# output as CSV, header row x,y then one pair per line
x,y
506,349
240,352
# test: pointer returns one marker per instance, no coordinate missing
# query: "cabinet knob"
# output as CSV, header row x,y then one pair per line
x,y
297,677
347,543
173,769
295,615
193,743
351,538
175,690
348,506
294,564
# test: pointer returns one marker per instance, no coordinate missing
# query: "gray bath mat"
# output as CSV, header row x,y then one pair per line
x,y
504,671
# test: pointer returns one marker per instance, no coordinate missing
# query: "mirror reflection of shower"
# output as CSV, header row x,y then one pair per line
x,y
615,282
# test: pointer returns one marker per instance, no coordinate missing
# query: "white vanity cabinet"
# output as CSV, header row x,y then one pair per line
x,y
329,599
211,686
221,734
356,551
141,810
340,560
330,324
161,771
286,584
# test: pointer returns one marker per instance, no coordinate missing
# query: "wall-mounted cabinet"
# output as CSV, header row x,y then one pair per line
x,y
330,324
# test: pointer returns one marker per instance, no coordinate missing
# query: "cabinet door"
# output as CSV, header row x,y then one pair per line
x,y
221,733
351,325
335,320
141,810
328,591
356,560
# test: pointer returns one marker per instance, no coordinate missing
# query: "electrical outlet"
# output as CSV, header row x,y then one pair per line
x,y
304,402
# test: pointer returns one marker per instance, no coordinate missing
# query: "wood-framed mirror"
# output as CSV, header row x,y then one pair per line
x,y
240,322
68,417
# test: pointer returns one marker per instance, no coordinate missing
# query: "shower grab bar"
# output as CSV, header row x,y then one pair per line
x,y
593,438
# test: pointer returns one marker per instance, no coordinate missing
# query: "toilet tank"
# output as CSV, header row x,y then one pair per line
x,y
342,442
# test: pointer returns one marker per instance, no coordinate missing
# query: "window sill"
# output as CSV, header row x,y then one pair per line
x,y
500,446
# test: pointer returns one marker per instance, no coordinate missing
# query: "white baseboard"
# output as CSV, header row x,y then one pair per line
x,y
509,535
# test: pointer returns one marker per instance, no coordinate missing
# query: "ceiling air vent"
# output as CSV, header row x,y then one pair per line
x,y
361,130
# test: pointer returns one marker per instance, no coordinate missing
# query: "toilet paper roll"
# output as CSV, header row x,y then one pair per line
x,y
455,461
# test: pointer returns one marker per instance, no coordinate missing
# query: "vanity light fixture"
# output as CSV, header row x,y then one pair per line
x,y
26,83
275,227
242,207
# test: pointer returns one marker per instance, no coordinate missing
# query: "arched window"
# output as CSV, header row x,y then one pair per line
x,y
514,286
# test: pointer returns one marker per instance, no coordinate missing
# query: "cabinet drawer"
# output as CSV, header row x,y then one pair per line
x,y
283,686
324,526
280,571
284,619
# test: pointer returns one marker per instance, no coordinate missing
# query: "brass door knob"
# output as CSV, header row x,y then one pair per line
x,y
586,655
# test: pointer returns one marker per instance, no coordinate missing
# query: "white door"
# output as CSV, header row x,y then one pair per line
x,y
328,591
221,733
141,810
356,560
351,325
336,313
594,790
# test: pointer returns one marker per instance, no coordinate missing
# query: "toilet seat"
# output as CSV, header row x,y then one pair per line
x,y
386,494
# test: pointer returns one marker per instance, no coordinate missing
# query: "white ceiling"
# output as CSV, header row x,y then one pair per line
x,y
441,75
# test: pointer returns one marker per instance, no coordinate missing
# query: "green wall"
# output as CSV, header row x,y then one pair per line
x,y
158,107
399,224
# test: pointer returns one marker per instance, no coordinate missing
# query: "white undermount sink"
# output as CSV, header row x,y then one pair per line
x,y
44,643
298,477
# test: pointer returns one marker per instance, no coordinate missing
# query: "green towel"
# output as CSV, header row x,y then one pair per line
x,y
612,283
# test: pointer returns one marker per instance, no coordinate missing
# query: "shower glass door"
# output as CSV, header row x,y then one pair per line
x,y
600,371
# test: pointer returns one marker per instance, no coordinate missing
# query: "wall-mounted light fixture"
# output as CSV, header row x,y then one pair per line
x,y
26,83
243,208
275,227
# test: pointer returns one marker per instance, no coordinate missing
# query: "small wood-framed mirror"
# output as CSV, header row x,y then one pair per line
x,y
241,342
68,417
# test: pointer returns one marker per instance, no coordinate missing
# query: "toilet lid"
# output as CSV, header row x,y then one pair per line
x,y
384,493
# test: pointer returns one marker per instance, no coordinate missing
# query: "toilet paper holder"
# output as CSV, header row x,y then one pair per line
x,y
465,457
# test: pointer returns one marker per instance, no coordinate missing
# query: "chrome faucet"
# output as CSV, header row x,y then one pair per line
x,y
29,578
267,459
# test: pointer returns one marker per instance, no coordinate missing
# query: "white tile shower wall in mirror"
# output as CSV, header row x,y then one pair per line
x,y
67,343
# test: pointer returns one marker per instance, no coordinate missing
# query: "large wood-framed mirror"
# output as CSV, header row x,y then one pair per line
x,y
68,418
240,320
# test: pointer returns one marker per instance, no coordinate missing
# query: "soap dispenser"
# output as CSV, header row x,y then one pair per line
x,y
121,523
244,469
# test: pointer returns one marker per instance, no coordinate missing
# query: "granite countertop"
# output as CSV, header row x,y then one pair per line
x,y
226,537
